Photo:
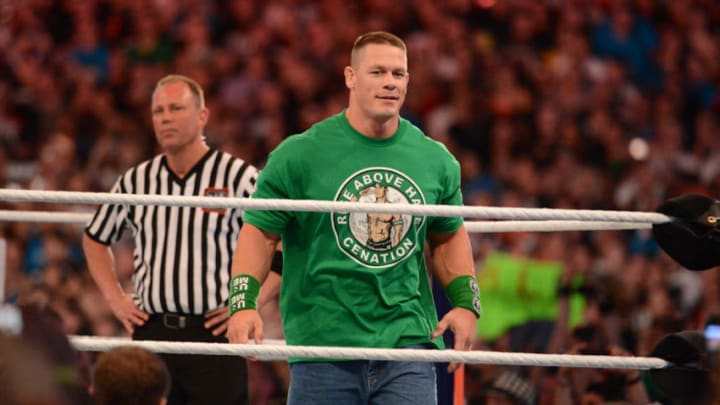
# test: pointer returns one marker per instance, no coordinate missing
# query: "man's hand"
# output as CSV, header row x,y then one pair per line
x,y
217,320
244,325
124,308
463,323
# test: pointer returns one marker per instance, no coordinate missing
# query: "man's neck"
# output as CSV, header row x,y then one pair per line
x,y
378,129
183,160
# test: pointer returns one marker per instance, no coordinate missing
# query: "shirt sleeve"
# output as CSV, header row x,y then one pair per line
x,y
275,181
108,223
451,195
244,186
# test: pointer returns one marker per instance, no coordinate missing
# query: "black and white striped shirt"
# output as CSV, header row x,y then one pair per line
x,y
182,255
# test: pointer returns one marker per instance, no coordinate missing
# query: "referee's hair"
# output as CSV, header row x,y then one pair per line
x,y
194,86
130,375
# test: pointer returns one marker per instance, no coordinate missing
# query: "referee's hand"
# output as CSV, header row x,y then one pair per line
x,y
244,325
217,321
127,312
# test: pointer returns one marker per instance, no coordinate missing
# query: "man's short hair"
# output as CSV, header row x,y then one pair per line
x,y
376,37
194,86
130,375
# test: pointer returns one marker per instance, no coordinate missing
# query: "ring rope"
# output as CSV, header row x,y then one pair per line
x,y
331,206
472,226
280,352
46,216
550,226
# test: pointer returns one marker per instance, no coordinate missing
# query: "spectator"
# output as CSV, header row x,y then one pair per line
x,y
510,389
128,375
37,362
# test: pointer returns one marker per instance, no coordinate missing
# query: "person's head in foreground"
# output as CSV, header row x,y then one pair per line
x,y
130,376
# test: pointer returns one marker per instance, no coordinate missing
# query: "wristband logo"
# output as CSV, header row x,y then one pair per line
x,y
378,240
476,296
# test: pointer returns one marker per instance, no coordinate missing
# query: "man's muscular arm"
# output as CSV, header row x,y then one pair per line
x,y
253,257
452,259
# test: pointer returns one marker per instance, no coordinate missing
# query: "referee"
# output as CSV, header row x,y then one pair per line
x,y
182,255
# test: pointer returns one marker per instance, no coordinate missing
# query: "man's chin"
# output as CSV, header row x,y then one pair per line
x,y
385,115
170,146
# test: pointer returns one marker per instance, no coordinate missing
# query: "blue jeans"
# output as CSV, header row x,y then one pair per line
x,y
362,382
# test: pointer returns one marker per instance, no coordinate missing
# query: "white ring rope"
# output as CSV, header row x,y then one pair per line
x,y
280,352
57,217
75,197
550,226
472,226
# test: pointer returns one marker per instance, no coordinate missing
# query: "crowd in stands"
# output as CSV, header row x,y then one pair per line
x,y
580,104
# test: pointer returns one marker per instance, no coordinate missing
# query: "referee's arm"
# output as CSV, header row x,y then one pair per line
x,y
253,256
101,264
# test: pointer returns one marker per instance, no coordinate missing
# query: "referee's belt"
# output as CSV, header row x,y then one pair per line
x,y
179,321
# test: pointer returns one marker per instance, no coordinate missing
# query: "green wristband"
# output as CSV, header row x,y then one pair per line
x,y
244,291
463,292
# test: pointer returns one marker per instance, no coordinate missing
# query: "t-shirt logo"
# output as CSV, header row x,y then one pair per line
x,y
378,239
216,192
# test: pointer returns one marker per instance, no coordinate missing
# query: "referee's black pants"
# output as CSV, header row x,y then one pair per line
x,y
197,379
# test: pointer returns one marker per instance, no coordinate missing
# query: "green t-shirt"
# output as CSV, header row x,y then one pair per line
x,y
357,279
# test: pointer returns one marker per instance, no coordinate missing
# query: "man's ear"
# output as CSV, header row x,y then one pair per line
x,y
349,77
204,116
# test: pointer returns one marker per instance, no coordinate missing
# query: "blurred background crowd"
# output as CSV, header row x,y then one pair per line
x,y
581,104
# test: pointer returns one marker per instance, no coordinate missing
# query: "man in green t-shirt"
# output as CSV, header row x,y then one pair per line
x,y
360,279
